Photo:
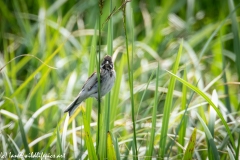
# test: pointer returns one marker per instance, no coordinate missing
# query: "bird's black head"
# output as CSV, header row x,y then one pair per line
x,y
107,63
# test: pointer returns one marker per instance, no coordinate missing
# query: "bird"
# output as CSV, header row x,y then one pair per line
x,y
90,88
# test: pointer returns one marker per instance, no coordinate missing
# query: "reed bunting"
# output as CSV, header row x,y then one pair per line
x,y
90,88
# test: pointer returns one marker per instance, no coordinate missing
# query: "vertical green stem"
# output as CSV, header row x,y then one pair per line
x,y
226,90
130,75
98,75
154,117
110,50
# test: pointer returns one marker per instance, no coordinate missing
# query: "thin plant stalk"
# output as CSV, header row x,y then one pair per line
x,y
89,101
98,74
168,106
110,50
154,117
130,75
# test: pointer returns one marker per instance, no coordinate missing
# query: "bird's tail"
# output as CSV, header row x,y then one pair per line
x,y
71,108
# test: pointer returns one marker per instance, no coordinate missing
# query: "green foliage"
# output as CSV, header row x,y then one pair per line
x,y
212,149
88,138
167,106
154,117
49,48
184,118
111,155
190,147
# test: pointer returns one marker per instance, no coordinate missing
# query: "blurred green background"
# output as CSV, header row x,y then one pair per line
x,y
49,48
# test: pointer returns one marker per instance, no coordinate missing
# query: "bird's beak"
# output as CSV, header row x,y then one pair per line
x,y
105,64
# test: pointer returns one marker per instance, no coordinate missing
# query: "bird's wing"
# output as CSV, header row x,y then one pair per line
x,y
92,80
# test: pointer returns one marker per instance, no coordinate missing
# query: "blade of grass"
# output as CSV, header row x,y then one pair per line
x,y
89,101
117,151
154,117
238,148
59,142
235,30
111,155
12,73
103,133
88,136
145,92
110,51
212,119
116,90
98,75
226,89
168,106
3,141
126,153
199,92
64,132
13,145
183,126
106,109
190,148
74,138
231,156
210,139
130,75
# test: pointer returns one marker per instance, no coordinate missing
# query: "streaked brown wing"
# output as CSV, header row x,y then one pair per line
x,y
90,81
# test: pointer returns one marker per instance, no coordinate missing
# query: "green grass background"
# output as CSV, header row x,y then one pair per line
x,y
176,93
